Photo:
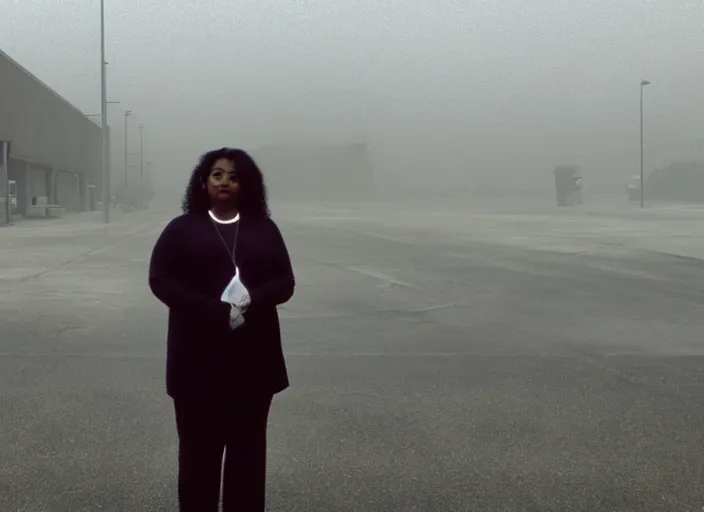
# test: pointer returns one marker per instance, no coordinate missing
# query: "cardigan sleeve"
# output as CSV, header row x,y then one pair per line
x,y
167,283
279,286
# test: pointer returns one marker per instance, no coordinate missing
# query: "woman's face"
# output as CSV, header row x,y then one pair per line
x,y
223,182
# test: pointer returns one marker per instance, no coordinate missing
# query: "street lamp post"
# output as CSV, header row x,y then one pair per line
x,y
104,119
127,114
141,163
643,83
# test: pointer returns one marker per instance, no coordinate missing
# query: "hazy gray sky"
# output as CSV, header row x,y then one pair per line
x,y
466,87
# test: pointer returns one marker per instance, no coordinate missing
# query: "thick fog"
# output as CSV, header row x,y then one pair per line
x,y
487,351
464,94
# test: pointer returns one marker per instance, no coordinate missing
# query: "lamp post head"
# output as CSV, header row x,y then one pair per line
x,y
128,113
643,83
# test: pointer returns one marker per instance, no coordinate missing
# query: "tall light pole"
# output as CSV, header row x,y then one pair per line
x,y
104,119
643,83
141,162
127,114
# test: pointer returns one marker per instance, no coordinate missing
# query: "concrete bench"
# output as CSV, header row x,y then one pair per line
x,y
55,211
36,212
51,211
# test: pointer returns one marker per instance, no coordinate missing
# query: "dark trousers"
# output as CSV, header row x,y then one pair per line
x,y
209,431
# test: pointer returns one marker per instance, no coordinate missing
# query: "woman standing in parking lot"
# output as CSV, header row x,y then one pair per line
x,y
224,356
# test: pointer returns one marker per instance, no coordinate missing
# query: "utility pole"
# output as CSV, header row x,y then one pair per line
x,y
127,114
643,83
141,164
104,119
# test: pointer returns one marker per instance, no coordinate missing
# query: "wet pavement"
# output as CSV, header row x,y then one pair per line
x,y
430,371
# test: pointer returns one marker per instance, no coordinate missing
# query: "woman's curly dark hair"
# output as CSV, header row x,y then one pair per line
x,y
251,200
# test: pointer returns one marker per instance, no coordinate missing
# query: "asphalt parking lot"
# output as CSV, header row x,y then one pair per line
x,y
429,372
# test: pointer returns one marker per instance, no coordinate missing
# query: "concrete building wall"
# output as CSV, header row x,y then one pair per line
x,y
68,191
32,181
37,182
43,127
55,149
4,206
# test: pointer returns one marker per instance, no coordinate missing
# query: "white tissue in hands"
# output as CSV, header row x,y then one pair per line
x,y
236,317
236,293
237,296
